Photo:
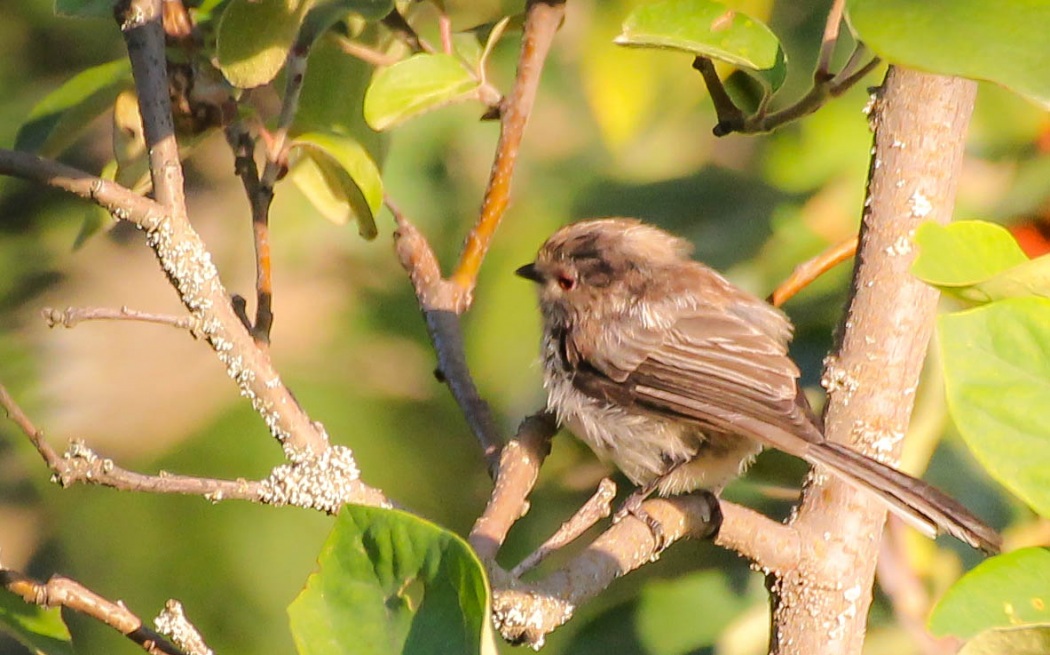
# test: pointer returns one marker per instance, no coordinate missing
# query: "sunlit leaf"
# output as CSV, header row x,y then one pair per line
x,y
38,629
254,37
707,28
1002,42
349,173
391,582
978,261
997,376
1005,591
61,117
414,86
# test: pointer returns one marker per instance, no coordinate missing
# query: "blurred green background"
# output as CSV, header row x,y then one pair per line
x,y
614,132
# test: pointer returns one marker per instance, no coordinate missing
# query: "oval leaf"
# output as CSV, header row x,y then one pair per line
x,y
391,582
61,117
1005,591
349,172
708,29
414,86
1002,42
254,37
996,362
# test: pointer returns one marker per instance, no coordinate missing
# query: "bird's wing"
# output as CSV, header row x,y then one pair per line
x,y
713,365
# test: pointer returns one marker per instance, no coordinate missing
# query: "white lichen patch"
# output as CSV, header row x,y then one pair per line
x,y
902,246
838,380
325,482
920,204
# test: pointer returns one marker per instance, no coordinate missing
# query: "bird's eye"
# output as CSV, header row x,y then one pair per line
x,y
566,282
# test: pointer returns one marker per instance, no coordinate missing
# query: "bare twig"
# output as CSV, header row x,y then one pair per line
x,y
364,53
183,257
260,197
808,271
542,19
60,591
440,301
828,42
324,483
597,507
70,316
826,85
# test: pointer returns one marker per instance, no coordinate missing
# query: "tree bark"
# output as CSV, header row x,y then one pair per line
x,y
920,123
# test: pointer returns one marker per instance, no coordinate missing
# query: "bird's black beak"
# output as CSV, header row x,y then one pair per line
x,y
529,272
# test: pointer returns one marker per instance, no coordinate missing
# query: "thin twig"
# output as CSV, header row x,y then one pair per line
x,y
70,316
730,117
597,507
260,198
542,19
827,44
809,270
60,591
364,53
324,483
190,267
441,303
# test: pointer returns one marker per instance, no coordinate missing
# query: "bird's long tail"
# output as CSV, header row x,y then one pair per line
x,y
915,501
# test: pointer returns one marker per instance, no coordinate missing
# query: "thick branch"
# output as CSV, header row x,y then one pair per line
x,y
921,123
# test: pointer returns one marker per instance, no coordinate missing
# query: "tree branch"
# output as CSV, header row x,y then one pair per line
x,y
60,591
921,123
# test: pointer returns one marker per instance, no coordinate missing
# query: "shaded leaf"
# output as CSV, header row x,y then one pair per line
x,y
391,582
38,629
254,37
1007,590
667,619
61,117
1010,641
349,173
414,86
707,28
999,42
996,362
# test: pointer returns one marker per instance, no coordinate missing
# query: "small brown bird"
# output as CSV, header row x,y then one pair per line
x,y
679,378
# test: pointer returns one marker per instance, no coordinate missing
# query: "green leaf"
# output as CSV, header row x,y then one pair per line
x,y
61,117
391,582
1005,591
978,261
667,620
414,86
254,37
996,362
349,173
964,253
39,629
1002,42
1010,641
370,9
707,28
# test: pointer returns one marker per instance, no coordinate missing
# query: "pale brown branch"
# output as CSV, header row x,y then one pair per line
x,y
71,316
60,591
828,42
597,507
518,468
172,623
